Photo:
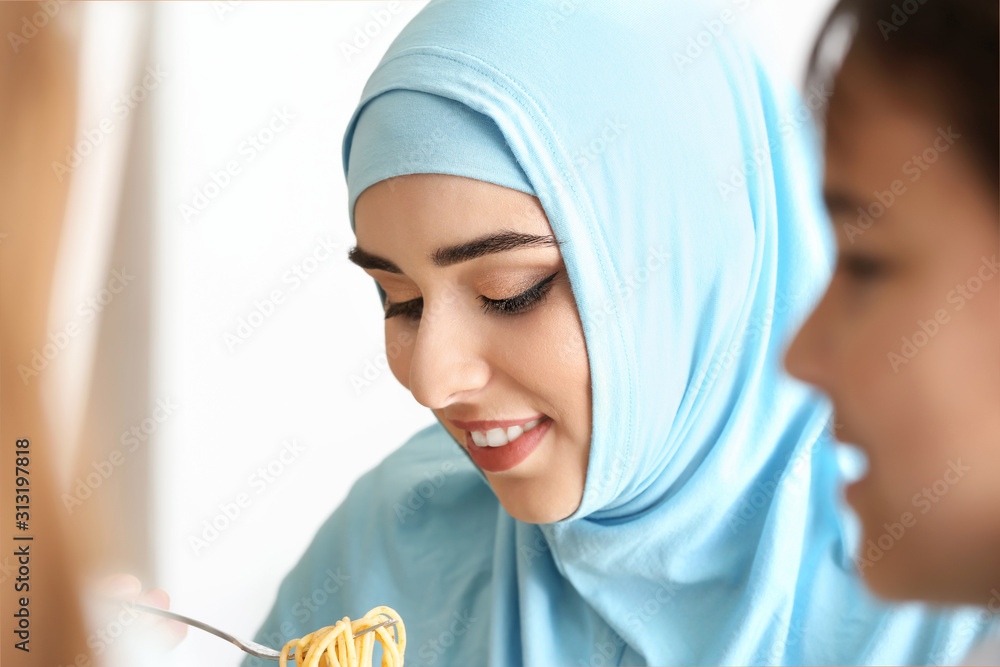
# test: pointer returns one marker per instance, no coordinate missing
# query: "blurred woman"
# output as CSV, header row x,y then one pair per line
x,y
906,340
44,553
38,86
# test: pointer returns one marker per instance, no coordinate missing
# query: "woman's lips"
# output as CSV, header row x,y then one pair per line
x,y
505,456
486,425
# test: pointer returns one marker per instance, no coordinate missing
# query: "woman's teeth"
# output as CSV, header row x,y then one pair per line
x,y
498,437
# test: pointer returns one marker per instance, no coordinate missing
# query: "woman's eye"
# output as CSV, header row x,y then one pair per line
x,y
862,268
411,309
521,303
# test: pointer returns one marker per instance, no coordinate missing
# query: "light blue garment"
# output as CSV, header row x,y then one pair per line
x,y
683,187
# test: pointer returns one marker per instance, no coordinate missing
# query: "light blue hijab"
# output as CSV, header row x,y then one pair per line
x,y
684,195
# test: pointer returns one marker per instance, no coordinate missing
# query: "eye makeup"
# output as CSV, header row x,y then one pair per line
x,y
515,305
409,309
522,302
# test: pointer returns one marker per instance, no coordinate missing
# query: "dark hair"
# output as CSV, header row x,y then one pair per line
x,y
949,46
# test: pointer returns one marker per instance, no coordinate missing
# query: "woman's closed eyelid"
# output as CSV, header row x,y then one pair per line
x,y
501,287
397,290
521,301
411,309
863,267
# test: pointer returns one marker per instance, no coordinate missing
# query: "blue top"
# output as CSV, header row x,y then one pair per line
x,y
682,183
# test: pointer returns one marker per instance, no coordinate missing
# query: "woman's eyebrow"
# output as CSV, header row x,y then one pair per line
x,y
489,244
366,260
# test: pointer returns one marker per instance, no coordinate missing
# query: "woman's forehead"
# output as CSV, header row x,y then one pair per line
x,y
443,210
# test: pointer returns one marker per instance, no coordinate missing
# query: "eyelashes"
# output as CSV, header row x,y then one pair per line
x,y
409,309
523,302
515,305
863,268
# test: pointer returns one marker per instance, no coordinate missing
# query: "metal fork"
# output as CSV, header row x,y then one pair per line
x,y
253,648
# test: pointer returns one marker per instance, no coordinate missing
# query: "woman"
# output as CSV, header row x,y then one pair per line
x,y
905,340
577,235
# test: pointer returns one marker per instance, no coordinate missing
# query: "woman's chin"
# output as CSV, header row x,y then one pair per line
x,y
900,581
530,506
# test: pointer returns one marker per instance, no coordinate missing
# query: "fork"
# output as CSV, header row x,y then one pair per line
x,y
253,648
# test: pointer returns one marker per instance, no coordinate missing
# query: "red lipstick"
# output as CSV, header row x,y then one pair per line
x,y
505,457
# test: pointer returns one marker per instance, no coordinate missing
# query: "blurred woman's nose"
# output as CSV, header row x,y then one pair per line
x,y
809,351
447,364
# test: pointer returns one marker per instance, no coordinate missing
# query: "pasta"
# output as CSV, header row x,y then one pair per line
x,y
336,645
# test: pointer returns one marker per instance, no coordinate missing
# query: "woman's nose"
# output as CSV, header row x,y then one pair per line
x,y
809,352
447,364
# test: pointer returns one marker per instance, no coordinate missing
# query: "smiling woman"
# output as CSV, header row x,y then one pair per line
x,y
499,371
621,473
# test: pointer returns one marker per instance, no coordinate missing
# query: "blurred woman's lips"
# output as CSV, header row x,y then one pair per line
x,y
854,493
839,429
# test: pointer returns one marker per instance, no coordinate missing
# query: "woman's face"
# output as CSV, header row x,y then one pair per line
x,y
482,328
905,340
